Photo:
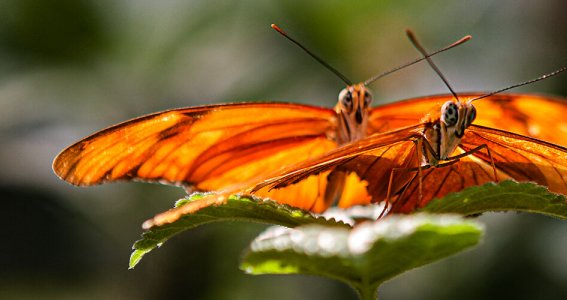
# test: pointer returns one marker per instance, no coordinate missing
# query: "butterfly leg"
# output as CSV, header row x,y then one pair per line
x,y
474,150
395,170
421,145
389,192
454,159
402,200
334,188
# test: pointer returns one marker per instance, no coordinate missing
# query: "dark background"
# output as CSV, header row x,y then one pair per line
x,y
71,67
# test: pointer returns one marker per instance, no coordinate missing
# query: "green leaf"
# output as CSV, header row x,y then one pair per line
x,y
365,256
235,209
504,196
507,195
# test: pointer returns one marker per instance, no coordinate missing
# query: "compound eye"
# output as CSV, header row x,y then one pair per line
x,y
367,99
472,116
346,99
449,113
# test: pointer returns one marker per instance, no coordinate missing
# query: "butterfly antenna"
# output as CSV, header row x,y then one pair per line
x,y
421,49
426,56
521,84
317,58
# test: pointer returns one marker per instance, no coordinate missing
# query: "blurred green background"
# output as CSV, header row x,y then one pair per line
x,y
71,67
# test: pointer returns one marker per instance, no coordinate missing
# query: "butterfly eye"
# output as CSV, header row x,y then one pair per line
x,y
346,99
449,113
472,116
367,99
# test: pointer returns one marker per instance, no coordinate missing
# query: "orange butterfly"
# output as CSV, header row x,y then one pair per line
x,y
220,147
387,166
444,152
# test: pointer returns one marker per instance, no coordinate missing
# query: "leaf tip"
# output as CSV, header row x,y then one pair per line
x,y
135,258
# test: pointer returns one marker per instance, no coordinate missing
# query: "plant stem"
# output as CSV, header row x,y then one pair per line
x,y
367,292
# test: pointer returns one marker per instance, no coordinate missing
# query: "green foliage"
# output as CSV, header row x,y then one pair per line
x,y
237,208
507,195
368,253
364,256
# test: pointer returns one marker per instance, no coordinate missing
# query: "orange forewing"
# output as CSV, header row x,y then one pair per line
x,y
206,147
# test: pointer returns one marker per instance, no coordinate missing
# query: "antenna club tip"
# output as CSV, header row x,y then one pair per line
x,y
277,28
411,35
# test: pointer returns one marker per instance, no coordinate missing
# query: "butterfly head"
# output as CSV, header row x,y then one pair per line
x,y
456,116
352,110
446,131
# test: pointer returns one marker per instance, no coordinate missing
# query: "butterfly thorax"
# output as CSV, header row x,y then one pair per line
x,y
443,133
352,113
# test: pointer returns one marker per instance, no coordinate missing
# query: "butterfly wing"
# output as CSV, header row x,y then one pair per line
x,y
541,117
207,147
515,156
367,163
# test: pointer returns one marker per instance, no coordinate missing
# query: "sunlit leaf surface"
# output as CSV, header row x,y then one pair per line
x,y
364,256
